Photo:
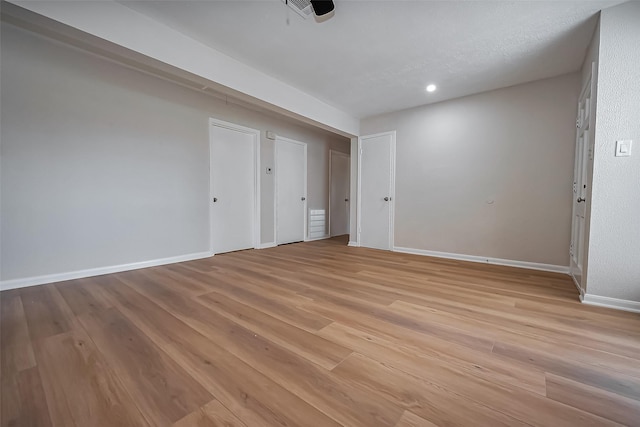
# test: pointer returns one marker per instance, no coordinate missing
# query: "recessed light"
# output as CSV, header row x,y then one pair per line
x,y
431,88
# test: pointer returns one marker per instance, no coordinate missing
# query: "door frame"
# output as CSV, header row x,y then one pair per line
x,y
275,186
348,156
587,90
392,185
255,134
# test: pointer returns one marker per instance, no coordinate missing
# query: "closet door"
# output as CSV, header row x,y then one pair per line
x,y
339,189
233,187
377,164
291,190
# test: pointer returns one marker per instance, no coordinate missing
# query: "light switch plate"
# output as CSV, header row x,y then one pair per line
x,y
623,148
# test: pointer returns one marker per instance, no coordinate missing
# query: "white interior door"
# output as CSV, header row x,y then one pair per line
x,y
339,164
580,182
377,198
291,190
233,187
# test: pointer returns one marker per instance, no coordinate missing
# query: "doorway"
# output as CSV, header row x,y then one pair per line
x,y
291,190
584,153
377,190
234,187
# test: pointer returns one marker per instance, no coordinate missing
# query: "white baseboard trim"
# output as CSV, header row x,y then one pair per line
x,y
326,236
618,304
353,244
267,245
486,260
60,277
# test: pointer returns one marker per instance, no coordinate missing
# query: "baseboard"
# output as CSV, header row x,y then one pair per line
x,y
618,304
60,277
353,244
578,287
267,245
486,260
326,236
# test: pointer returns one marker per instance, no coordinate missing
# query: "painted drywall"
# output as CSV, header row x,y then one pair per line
x,y
109,21
614,235
394,47
487,175
103,165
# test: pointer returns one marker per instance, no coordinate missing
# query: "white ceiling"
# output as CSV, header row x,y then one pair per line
x,y
377,56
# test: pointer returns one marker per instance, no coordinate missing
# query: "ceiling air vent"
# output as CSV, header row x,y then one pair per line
x,y
301,7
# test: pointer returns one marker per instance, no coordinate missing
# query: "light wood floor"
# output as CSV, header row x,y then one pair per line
x,y
317,334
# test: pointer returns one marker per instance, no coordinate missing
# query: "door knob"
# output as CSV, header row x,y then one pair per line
x,y
386,199
303,198
580,199
346,200
215,199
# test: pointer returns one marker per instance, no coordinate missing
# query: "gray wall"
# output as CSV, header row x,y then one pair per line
x,y
614,236
103,165
487,175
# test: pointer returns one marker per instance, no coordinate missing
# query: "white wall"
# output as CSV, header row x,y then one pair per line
x,y
512,146
103,165
113,27
614,241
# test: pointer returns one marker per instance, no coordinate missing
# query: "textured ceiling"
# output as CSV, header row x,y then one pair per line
x,y
377,56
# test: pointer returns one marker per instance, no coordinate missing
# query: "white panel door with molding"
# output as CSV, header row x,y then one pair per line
x,y
234,187
377,190
291,190
339,188
584,153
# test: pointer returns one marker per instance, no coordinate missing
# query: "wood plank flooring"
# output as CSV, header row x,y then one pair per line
x,y
317,334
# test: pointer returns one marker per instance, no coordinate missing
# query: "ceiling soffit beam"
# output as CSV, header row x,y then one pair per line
x,y
110,26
